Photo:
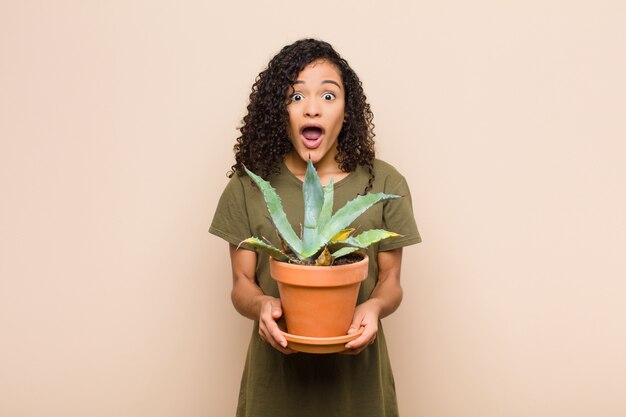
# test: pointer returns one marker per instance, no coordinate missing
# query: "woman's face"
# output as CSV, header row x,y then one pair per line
x,y
316,113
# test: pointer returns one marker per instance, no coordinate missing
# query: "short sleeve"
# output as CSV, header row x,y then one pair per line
x,y
398,217
230,221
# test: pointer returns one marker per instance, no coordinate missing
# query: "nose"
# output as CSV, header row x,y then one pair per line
x,y
312,108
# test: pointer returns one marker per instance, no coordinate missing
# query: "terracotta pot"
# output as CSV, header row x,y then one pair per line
x,y
318,301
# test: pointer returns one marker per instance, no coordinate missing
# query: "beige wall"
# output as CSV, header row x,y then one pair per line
x,y
117,121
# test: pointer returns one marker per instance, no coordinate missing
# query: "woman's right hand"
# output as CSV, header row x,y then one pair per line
x,y
251,302
271,310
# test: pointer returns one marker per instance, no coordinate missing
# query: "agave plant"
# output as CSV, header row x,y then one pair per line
x,y
325,236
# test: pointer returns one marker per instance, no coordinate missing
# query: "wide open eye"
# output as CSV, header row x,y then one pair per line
x,y
328,96
296,97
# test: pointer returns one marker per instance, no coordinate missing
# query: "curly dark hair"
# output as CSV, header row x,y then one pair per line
x,y
264,139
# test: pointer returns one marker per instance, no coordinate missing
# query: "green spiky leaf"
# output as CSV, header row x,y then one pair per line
x,y
321,229
343,235
327,208
365,239
273,251
348,213
279,218
344,251
313,194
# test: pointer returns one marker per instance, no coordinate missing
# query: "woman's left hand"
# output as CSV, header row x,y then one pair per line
x,y
366,316
383,301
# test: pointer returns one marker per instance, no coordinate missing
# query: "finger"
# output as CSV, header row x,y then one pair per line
x,y
275,308
269,314
268,328
276,311
266,336
263,333
356,349
369,334
356,324
272,333
277,335
280,345
286,351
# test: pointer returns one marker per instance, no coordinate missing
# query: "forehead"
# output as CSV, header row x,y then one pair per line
x,y
320,70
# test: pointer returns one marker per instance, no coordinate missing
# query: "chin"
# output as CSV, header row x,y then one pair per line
x,y
316,155
304,154
313,156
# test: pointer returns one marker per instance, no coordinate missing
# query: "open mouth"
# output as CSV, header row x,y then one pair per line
x,y
312,133
312,136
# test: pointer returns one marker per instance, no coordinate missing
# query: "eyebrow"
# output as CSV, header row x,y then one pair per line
x,y
323,82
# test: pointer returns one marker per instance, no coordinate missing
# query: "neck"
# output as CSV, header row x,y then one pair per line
x,y
325,170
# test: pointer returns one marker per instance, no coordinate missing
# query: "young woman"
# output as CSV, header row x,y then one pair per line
x,y
309,104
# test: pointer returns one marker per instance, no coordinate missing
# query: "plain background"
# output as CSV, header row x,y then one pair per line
x,y
117,121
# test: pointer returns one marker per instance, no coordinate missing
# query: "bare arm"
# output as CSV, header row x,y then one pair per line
x,y
250,301
385,299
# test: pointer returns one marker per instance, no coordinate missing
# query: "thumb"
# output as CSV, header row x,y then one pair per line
x,y
277,311
356,323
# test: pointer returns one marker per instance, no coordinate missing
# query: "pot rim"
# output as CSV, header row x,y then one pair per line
x,y
338,267
319,276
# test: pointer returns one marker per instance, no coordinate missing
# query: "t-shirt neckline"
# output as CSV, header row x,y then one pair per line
x,y
293,178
